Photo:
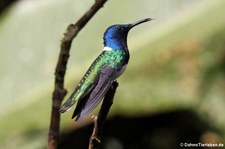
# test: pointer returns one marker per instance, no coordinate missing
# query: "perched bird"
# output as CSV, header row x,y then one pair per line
x,y
107,67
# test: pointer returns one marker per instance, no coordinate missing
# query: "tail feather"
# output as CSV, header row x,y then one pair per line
x,y
92,103
67,105
80,105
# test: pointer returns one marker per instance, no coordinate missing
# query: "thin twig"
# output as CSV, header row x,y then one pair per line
x,y
59,91
99,120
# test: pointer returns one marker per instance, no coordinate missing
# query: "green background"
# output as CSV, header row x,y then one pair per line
x,y
177,62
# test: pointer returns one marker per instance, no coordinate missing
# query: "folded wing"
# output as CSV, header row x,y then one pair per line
x,y
90,101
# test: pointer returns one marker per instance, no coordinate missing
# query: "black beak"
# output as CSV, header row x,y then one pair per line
x,y
139,22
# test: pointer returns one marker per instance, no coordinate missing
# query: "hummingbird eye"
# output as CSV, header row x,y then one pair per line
x,y
118,28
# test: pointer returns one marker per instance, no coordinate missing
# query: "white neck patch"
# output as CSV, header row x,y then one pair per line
x,y
107,49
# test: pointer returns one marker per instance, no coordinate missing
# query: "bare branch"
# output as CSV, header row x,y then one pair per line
x,y
99,120
59,90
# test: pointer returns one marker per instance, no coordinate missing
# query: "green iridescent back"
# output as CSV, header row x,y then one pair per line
x,y
113,58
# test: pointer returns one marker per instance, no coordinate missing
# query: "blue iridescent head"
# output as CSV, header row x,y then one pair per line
x,y
115,36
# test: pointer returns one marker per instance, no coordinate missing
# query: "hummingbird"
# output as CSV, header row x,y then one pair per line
x,y
105,69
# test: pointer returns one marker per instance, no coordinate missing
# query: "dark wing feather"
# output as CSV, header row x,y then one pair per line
x,y
80,105
105,80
